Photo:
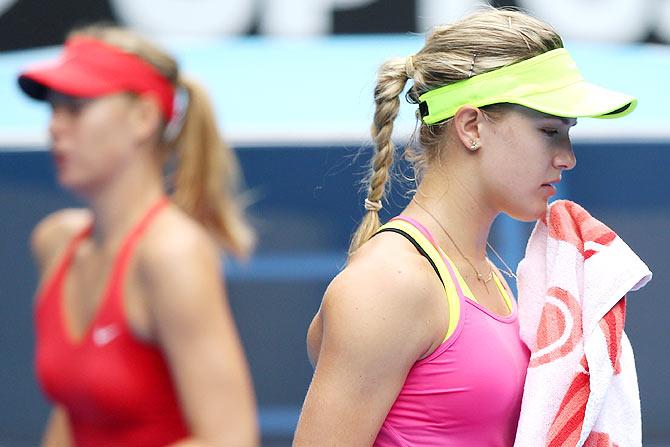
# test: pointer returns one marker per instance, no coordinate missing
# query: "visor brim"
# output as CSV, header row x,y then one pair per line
x,y
580,100
64,77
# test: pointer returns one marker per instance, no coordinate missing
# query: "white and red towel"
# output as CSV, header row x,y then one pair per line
x,y
581,387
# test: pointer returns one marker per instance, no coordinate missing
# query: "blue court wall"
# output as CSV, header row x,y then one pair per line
x,y
298,114
306,205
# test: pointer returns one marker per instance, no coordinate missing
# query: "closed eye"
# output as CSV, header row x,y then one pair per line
x,y
549,131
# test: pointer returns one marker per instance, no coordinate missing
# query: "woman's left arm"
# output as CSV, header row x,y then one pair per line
x,y
193,324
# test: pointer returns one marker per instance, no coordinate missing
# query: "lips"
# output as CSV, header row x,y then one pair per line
x,y
59,158
549,188
552,183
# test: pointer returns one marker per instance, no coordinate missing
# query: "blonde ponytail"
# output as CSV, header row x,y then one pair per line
x,y
390,84
207,175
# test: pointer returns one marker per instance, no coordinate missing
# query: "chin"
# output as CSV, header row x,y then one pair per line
x,y
68,183
529,214
77,187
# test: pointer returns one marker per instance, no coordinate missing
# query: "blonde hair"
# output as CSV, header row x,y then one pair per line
x,y
206,178
483,41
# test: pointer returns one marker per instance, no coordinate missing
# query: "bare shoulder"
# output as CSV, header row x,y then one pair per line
x,y
176,257
386,269
52,234
386,293
173,235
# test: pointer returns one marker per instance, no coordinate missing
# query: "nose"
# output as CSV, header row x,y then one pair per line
x,y
565,158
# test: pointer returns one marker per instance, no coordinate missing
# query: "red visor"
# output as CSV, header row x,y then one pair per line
x,y
91,68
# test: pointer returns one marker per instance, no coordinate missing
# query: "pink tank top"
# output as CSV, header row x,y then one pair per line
x,y
468,391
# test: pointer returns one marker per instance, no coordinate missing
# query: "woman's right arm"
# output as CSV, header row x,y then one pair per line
x,y
48,240
57,433
374,328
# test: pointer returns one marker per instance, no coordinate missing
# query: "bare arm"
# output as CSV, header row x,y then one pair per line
x,y
57,432
47,243
376,324
194,326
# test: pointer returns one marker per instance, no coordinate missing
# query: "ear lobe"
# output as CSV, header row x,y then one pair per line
x,y
466,123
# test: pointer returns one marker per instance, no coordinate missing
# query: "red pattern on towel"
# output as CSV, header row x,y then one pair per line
x,y
548,334
612,326
577,227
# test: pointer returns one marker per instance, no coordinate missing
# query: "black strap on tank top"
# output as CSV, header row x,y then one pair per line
x,y
416,245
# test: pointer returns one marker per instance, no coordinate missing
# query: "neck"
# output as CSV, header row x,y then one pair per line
x,y
122,201
455,211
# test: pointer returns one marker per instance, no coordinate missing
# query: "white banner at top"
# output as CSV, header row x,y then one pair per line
x,y
596,20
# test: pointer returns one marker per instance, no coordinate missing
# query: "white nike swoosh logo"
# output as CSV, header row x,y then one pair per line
x,y
106,334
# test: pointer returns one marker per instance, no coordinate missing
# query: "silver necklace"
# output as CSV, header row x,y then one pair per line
x,y
480,276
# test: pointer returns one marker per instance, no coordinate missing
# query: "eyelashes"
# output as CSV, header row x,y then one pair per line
x,y
549,132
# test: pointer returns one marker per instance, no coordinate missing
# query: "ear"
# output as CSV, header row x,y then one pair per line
x,y
146,117
467,122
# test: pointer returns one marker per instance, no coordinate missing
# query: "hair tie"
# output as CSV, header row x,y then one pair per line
x,y
373,206
409,67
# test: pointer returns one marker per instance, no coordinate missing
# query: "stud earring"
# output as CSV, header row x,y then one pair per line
x,y
474,145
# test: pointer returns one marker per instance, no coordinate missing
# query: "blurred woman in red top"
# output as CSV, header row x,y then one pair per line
x,y
136,344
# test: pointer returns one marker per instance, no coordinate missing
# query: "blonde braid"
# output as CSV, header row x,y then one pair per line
x,y
390,84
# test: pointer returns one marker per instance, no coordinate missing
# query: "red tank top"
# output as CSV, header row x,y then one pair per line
x,y
117,390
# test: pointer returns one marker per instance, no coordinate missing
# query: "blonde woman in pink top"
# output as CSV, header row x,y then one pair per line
x,y
416,342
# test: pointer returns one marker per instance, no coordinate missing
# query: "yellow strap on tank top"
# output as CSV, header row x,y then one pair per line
x,y
453,302
466,289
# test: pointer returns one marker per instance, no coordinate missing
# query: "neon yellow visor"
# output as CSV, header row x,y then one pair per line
x,y
549,83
